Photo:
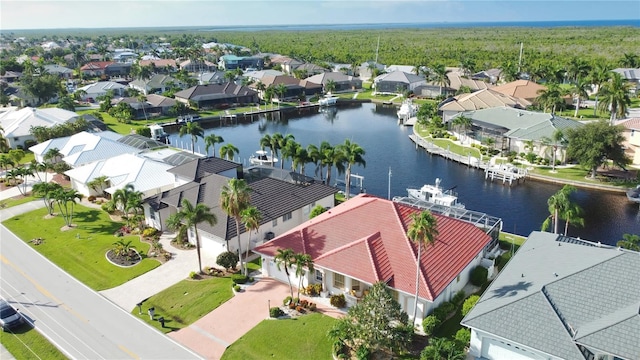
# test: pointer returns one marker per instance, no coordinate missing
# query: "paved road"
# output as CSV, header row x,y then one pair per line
x,y
81,322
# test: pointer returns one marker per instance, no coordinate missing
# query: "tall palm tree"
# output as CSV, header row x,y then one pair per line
x,y
98,184
332,157
580,91
300,159
599,75
615,96
235,198
228,151
194,130
210,141
142,100
281,90
190,216
289,151
285,258
251,218
302,261
52,156
572,215
353,154
5,162
66,200
422,232
46,191
267,142
128,200
440,77
330,86
557,140
551,97
315,156
282,142
558,203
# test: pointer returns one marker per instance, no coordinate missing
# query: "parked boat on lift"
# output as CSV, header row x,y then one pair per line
x,y
634,194
158,133
436,195
328,100
261,157
407,110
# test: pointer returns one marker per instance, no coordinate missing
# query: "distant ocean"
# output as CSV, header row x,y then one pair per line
x,y
535,24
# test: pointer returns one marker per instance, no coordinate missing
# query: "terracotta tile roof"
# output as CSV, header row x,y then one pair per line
x,y
523,89
631,124
365,238
96,65
158,62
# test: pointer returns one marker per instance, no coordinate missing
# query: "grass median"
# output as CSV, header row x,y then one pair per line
x,y
26,343
81,250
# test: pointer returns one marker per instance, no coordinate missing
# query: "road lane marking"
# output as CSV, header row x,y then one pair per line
x,y
129,352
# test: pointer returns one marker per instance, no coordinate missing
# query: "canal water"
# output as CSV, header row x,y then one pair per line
x,y
374,127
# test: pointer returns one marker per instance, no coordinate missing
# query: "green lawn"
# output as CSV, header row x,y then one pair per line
x,y
185,302
10,202
577,173
81,250
301,338
255,264
26,343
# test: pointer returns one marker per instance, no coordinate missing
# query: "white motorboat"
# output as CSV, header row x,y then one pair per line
x,y
328,100
261,157
435,195
634,194
407,110
158,133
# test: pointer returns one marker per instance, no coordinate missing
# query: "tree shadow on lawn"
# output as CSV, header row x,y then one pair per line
x,y
101,228
87,216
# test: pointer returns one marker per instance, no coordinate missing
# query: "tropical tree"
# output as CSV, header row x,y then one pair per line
x,y
289,152
267,142
330,86
210,141
228,151
558,204
551,98
580,90
615,96
595,142
422,232
142,100
302,261
194,130
315,156
191,216
251,218
281,90
333,157
22,172
17,155
300,159
572,215
234,199
46,191
630,60
38,168
66,200
441,349
128,200
557,140
282,140
599,74
284,258
353,154
462,122
630,241
440,78
5,162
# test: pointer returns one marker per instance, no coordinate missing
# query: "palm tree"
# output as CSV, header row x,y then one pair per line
x,y
235,198
98,184
285,258
599,75
462,122
551,98
47,191
302,261
558,203
251,218
38,168
630,241
333,157
572,215
300,159
440,77
289,151
52,156
282,142
128,200
315,156
142,100
5,162
281,90
194,130
422,232
580,91
267,142
228,151
557,140
22,173
615,96
190,216
330,86
211,140
66,199
353,154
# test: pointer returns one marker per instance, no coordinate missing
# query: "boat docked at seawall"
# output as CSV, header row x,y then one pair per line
x,y
634,194
328,100
436,195
407,110
261,157
158,133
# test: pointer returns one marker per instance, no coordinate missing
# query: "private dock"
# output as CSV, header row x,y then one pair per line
x,y
505,172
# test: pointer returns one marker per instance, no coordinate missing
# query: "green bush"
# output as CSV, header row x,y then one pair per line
x,y
286,300
227,260
458,298
109,206
149,232
338,301
275,312
239,278
236,288
296,300
429,324
443,311
469,304
463,337
193,275
478,276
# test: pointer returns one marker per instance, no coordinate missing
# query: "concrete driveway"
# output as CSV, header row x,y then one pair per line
x,y
210,336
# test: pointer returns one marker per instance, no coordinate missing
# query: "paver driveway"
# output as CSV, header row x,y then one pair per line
x,y
211,335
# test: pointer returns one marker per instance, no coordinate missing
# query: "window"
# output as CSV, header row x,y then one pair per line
x,y
274,223
338,281
152,215
355,285
318,275
286,217
458,279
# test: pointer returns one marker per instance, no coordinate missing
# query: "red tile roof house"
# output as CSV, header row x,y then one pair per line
x,y
96,68
363,241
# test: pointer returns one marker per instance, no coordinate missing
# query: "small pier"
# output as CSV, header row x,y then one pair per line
x,y
506,173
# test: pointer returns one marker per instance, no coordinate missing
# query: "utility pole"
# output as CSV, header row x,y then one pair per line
x,y
389,186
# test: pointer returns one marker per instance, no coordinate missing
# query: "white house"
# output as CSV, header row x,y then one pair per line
x,y
364,240
101,88
560,298
16,124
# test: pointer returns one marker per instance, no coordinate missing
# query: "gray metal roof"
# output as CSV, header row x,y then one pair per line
x,y
593,292
201,167
543,129
140,142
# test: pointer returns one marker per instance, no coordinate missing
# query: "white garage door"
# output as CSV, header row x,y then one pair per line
x,y
494,349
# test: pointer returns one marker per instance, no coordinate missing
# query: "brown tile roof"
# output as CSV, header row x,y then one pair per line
x,y
524,89
158,63
365,238
96,65
215,89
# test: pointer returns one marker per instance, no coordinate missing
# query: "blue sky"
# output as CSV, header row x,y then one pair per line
x,y
30,14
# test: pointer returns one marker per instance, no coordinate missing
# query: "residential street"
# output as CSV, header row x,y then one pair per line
x,y
81,322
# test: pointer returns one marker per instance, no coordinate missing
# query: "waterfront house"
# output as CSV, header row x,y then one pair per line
x,y
522,89
255,76
483,99
284,199
161,65
217,95
341,81
631,135
296,88
197,66
232,62
364,240
213,77
101,88
397,82
560,298
366,69
156,84
16,123
512,128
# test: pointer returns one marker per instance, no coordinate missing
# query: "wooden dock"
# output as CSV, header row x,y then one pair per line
x,y
505,172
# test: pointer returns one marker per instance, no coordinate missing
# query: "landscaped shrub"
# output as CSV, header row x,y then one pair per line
x,y
478,276
304,303
463,337
275,312
469,304
236,288
227,260
286,300
239,278
312,306
292,305
458,298
429,324
362,353
109,207
338,301
443,311
149,232
91,198
296,300
299,309
193,275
